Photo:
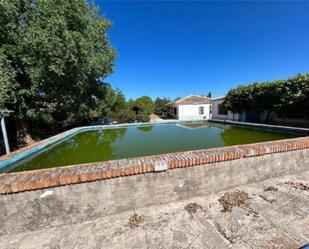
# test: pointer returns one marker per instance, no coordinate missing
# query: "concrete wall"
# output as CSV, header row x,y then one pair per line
x,y
191,112
274,117
217,115
77,203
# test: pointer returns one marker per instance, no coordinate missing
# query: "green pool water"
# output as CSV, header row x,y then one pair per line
x,y
118,143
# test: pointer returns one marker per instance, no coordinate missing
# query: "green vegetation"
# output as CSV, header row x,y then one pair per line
x,y
161,107
58,55
54,58
143,107
288,98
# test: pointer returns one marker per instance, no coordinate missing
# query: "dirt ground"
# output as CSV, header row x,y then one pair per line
x,y
156,118
269,214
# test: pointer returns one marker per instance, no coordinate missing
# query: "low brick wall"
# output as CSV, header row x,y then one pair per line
x,y
45,178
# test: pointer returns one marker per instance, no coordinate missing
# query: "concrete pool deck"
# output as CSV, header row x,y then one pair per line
x,y
276,215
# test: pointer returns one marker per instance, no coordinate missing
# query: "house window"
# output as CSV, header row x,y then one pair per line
x,y
201,110
222,109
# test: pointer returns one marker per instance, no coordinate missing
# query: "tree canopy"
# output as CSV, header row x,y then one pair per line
x,y
161,105
288,97
54,58
56,55
143,107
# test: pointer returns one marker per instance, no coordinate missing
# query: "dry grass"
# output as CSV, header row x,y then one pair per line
x,y
233,199
270,188
192,208
298,185
267,199
135,220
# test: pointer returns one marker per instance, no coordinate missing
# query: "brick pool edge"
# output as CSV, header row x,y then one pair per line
x,y
45,178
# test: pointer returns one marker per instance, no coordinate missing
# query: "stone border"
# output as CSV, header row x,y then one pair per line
x,y
46,178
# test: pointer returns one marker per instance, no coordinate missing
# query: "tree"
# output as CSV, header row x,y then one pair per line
x,y
209,95
294,97
122,110
7,82
161,106
143,106
286,97
53,57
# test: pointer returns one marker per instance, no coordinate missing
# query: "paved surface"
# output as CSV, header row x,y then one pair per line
x,y
278,218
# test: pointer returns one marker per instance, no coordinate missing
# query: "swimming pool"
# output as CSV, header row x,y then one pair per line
x,y
118,142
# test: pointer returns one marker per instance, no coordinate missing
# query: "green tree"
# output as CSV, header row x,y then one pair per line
x,y
143,106
287,97
209,95
122,110
7,82
54,56
161,105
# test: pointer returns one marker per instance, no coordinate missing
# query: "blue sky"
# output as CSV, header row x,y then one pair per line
x,y
178,48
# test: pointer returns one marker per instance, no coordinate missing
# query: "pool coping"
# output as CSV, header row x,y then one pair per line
x,y
299,130
52,177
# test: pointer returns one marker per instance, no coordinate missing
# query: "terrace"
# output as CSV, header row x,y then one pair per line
x,y
181,213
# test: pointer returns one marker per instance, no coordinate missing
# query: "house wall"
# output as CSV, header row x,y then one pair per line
x,y
187,112
228,116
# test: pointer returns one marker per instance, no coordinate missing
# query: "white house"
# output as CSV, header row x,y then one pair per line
x,y
219,112
192,107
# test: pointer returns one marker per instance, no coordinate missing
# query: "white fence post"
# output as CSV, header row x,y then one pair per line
x,y
5,136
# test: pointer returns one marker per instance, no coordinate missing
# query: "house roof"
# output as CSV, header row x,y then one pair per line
x,y
191,100
219,98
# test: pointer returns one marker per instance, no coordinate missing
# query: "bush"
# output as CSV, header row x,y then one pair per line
x,y
286,97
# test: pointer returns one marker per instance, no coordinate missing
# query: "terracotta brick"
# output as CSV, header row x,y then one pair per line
x,y
83,178
5,189
186,161
108,171
177,163
126,170
74,179
150,168
190,160
113,173
131,170
23,181
144,166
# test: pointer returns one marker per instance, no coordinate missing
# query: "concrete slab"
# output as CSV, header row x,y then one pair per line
x,y
270,219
